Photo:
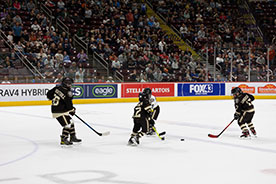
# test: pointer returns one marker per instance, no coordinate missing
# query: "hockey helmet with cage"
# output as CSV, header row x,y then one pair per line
x,y
147,91
67,82
236,91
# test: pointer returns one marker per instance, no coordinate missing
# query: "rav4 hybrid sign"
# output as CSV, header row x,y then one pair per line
x,y
158,89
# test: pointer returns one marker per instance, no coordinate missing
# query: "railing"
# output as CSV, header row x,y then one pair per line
x,y
188,42
60,25
253,18
80,43
47,11
21,56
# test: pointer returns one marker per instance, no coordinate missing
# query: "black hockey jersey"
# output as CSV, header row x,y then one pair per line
x,y
244,102
142,110
61,100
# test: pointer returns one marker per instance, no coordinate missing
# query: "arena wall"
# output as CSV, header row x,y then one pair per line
x,y
86,93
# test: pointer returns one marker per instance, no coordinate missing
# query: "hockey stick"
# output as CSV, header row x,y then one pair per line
x,y
100,134
216,136
163,133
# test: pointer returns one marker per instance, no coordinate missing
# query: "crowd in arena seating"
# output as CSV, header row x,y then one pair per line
x,y
209,24
133,43
47,48
129,40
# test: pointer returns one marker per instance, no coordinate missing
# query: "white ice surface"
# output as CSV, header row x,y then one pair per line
x,y
30,151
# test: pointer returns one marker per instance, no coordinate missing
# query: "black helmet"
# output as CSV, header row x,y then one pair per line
x,y
147,91
143,97
67,82
236,91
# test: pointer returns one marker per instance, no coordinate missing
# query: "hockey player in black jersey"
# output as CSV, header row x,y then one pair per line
x,y
156,110
142,111
244,111
62,107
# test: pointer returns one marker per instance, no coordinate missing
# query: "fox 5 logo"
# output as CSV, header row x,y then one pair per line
x,y
201,88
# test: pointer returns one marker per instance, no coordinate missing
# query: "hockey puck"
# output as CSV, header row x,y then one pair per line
x,y
182,139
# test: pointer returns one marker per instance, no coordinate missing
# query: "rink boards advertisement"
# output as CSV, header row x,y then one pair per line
x,y
24,92
254,88
35,94
200,89
158,89
83,91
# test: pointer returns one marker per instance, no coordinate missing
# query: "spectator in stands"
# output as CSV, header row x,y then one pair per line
x,y
37,79
115,65
49,3
157,73
87,15
35,26
102,79
7,63
19,47
78,79
15,80
17,32
81,73
261,60
110,79
82,57
66,58
30,5
17,19
10,37
59,56
271,55
16,5
61,5
6,80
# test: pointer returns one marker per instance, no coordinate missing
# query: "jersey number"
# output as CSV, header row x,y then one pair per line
x,y
55,100
137,112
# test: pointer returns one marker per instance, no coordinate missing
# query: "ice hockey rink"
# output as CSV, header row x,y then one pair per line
x,y
31,154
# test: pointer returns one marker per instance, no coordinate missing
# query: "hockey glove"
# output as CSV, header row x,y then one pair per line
x,y
73,111
237,115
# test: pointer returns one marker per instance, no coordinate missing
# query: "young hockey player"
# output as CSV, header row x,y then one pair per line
x,y
140,117
244,111
62,108
156,110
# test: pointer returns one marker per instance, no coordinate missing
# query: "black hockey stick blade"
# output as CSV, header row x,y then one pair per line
x,y
100,134
162,133
216,136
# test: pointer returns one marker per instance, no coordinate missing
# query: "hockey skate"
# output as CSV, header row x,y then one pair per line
x,y
253,131
151,132
245,135
64,141
134,140
74,139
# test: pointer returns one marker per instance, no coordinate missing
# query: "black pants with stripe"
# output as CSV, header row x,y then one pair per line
x,y
246,118
140,123
66,120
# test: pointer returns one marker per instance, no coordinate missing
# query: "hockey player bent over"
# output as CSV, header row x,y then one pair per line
x,y
244,111
140,117
62,106
156,110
